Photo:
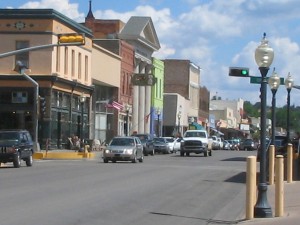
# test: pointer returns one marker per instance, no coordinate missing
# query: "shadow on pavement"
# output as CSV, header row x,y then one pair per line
x,y
235,159
238,178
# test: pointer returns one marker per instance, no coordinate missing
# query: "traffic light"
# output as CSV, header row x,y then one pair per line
x,y
42,106
239,71
71,39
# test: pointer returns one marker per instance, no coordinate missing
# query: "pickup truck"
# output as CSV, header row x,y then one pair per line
x,y
195,141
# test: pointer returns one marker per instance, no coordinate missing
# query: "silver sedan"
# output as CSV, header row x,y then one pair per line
x,y
124,149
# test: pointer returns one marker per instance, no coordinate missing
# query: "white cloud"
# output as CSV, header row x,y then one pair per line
x,y
164,52
208,22
216,35
63,6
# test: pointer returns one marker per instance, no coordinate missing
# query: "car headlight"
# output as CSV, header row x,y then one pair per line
x,y
11,150
107,150
128,151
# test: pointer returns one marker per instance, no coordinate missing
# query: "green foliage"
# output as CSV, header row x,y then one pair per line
x,y
281,115
251,110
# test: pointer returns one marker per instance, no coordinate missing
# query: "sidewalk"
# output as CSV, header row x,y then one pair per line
x,y
291,206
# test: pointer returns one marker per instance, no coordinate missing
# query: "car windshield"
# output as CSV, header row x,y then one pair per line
x,y
9,137
170,140
195,134
143,138
122,142
159,140
279,142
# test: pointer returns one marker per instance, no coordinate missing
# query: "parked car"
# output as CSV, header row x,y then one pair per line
x,y
221,144
16,145
235,144
227,145
124,149
171,142
215,143
147,142
161,145
248,145
280,146
177,144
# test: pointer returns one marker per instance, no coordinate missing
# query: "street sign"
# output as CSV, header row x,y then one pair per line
x,y
257,80
143,79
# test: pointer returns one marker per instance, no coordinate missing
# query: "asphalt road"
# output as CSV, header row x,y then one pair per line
x,y
163,190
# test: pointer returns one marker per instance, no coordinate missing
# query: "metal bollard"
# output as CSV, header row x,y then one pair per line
x,y
271,164
250,187
289,162
279,187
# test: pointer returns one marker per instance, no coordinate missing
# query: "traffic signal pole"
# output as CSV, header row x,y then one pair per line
x,y
71,39
20,68
63,40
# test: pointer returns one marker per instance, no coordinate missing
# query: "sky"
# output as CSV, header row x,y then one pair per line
x,y
214,35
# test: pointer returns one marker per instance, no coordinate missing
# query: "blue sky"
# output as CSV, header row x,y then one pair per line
x,y
212,34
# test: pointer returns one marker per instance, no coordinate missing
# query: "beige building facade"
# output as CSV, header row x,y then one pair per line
x,y
63,74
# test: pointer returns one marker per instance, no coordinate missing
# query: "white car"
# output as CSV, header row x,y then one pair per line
x,y
177,144
171,142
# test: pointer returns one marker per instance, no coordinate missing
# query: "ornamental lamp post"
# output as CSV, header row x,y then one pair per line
x,y
158,122
289,82
82,99
264,55
274,82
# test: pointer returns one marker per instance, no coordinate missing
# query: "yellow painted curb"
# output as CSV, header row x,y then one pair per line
x,y
64,155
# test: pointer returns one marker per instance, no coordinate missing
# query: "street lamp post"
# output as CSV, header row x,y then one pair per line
x,y
289,82
264,55
82,100
158,122
127,119
274,82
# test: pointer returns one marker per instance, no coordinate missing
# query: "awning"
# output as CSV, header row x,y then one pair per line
x,y
216,131
195,126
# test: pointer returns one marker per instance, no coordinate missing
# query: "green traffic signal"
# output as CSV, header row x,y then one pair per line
x,y
244,72
239,71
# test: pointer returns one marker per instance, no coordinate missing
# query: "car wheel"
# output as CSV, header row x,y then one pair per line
x,y
141,159
145,152
134,159
105,160
29,160
17,160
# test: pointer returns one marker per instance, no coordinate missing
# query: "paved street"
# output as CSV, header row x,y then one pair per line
x,y
164,189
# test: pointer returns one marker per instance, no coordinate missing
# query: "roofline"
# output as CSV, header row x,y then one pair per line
x,y
44,14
